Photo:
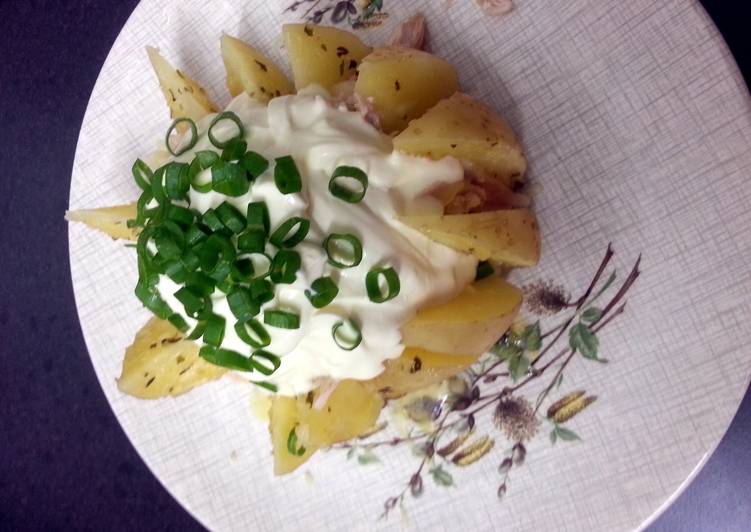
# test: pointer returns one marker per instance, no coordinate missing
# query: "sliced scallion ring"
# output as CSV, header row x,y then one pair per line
x,y
261,290
373,284
346,334
179,322
253,333
284,266
264,362
193,136
284,236
270,386
225,358
281,319
230,217
261,263
195,303
258,216
349,184
286,175
203,160
142,174
213,334
343,250
292,447
242,304
226,115
322,292
234,150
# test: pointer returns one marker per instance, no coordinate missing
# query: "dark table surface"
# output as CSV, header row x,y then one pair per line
x,y
64,461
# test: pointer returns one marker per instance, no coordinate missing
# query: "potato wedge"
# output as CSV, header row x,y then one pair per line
x,y
185,97
415,369
404,83
470,131
283,418
321,54
468,324
509,236
251,71
351,409
160,363
112,221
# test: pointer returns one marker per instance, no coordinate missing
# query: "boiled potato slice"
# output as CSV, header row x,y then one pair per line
x,y
404,83
509,236
112,221
185,97
351,409
160,363
470,131
468,324
322,55
415,369
283,418
251,71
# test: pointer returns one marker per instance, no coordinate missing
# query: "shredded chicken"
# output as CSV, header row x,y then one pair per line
x,y
484,193
496,8
411,33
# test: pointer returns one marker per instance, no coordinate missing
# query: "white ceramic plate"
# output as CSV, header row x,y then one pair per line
x,y
637,126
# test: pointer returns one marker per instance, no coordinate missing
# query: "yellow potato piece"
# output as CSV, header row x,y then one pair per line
x,y
351,409
322,55
415,369
404,83
112,221
185,97
464,128
160,363
251,71
509,236
283,418
468,324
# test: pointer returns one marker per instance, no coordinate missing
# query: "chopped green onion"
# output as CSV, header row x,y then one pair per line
x,y
242,270
141,210
342,180
200,283
234,150
261,290
142,174
194,235
346,334
252,241
230,217
181,215
176,182
292,447
322,292
343,250
258,216
254,163
244,328
266,386
211,220
281,319
197,331
241,303
168,244
484,269
225,358
179,323
203,160
260,355
284,266
193,136
175,270
157,185
260,264
373,284
213,334
285,237
229,179
226,115
190,261
195,303
150,298
286,175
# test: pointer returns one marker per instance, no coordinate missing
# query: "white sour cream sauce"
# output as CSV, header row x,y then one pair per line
x,y
321,137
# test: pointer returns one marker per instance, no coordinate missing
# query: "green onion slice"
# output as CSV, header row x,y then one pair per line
x,y
346,334
255,164
242,304
349,184
261,290
195,303
252,241
281,319
292,447
264,362
284,236
179,322
213,334
253,333
230,217
484,269
373,284
142,174
203,160
260,264
273,388
225,358
229,179
197,331
258,216
193,136
322,292
221,117
343,250
284,266
176,181
234,150
286,175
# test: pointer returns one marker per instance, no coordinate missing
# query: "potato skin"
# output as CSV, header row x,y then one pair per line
x,y
404,83
250,71
322,55
470,131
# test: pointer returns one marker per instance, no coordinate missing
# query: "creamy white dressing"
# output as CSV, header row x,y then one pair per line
x,y
321,137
